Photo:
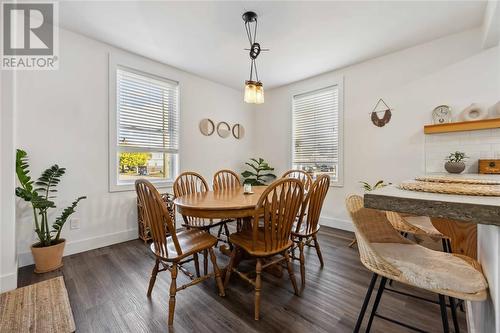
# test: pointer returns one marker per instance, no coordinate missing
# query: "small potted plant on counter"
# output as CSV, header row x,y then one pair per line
x,y
455,162
48,251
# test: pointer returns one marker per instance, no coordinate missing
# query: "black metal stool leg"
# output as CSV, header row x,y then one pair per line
x,y
380,291
445,245
453,307
444,314
365,303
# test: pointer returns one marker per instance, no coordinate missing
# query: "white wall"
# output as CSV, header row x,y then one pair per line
x,y
8,254
62,117
453,70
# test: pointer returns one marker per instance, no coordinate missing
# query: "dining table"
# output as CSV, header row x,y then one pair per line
x,y
225,204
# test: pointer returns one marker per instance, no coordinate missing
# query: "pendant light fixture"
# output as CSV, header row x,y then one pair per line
x,y
254,90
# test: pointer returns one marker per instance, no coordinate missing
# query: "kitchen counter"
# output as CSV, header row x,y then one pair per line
x,y
483,211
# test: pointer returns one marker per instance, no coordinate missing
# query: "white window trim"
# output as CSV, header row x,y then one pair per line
x,y
339,82
147,67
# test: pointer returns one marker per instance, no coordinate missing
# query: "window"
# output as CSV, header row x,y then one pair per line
x,y
317,127
147,128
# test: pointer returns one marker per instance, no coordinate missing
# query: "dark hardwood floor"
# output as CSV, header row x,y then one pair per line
x,y
107,290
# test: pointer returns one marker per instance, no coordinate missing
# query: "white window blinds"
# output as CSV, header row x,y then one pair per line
x,y
316,131
148,116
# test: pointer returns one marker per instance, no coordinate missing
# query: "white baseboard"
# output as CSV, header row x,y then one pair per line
x,y
336,223
87,244
8,282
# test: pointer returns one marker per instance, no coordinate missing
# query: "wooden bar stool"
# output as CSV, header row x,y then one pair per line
x,y
391,256
305,230
272,223
172,251
417,226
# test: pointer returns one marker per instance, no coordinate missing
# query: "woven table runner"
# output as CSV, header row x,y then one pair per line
x,y
452,188
447,179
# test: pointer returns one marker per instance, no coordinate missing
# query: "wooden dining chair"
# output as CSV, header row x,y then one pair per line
x,y
226,180
387,254
272,223
301,175
172,251
306,228
188,183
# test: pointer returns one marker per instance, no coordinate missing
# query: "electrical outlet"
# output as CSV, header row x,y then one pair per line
x,y
74,223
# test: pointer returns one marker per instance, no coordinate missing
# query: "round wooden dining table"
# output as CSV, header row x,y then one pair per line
x,y
224,204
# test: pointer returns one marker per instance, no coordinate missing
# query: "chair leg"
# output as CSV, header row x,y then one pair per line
x,y
444,315
376,303
448,241
453,307
196,264
318,250
289,266
302,266
152,280
173,291
219,233
353,242
217,273
226,230
365,303
258,286
205,262
229,268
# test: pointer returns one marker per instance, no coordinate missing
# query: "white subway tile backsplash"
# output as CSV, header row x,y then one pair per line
x,y
484,144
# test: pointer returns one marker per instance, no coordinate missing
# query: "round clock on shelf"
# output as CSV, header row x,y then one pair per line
x,y
441,114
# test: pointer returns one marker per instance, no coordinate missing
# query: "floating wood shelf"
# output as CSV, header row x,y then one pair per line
x,y
463,126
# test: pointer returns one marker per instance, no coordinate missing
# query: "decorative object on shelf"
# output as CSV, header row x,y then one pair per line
x,y
495,109
259,174
489,166
223,129
238,131
143,228
455,162
48,252
385,109
474,112
442,114
207,127
254,90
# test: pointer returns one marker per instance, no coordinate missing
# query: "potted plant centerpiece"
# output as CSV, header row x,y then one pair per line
x,y
455,162
48,251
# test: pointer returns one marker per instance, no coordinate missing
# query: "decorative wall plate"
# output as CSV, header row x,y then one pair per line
x,y
223,129
238,131
207,127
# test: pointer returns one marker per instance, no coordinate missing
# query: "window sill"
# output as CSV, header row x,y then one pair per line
x,y
127,187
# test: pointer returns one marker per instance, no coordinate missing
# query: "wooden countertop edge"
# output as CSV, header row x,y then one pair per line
x,y
467,212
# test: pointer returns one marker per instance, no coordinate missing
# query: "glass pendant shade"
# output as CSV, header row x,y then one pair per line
x,y
254,92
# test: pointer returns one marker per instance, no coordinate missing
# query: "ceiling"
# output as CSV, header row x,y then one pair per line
x,y
306,38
